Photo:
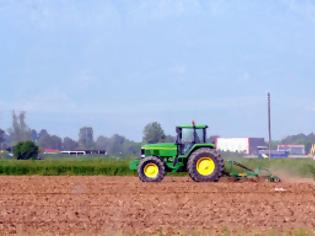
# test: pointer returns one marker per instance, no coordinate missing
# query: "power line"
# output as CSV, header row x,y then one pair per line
x,y
269,123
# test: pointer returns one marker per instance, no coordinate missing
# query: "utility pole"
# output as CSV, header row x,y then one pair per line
x,y
269,123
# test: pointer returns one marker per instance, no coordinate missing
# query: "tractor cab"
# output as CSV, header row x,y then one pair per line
x,y
189,135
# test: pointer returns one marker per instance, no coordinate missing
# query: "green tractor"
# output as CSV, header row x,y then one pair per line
x,y
190,152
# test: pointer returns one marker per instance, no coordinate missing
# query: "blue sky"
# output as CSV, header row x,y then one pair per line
x,y
116,65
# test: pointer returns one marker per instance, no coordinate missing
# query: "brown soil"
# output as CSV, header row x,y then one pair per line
x,y
123,205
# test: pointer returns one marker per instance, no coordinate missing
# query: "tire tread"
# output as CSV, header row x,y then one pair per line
x,y
191,165
156,161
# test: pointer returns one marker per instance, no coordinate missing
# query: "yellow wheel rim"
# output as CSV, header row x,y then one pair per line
x,y
205,166
151,170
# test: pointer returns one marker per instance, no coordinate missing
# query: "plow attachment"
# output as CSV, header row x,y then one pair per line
x,y
239,171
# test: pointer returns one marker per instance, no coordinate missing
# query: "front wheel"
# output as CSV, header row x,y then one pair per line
x,y
205,165
151,169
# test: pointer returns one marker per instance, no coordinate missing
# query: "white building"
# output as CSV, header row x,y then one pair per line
x,y
240,145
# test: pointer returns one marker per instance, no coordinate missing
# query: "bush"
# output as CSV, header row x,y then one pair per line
x,y
25,150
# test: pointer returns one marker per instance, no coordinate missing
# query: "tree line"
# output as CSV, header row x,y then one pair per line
x,y
114,145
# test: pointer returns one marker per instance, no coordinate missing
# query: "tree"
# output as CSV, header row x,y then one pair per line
x,y
169,139
34,135
55,142
45,140
102,142
25,150
2,138
42,133
131,147
153,133
86,140
307,140
19,130
69,144
117,145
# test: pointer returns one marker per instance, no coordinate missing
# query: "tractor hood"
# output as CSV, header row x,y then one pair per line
x,y
159,149
160,146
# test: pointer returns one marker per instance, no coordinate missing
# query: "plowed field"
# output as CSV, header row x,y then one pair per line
x,y
123,205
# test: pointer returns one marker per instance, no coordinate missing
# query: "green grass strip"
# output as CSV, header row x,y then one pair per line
x,y
112,167
65,167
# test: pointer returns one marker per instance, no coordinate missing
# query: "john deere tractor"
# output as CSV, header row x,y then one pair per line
x,y
190,152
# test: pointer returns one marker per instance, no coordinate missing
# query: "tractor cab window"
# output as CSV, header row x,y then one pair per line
x,y
188,136
200,136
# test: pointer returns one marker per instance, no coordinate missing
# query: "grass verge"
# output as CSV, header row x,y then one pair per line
x,y
66,167
293,167
114,167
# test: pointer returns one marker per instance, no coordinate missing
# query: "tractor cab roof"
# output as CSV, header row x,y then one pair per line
x,y
190,126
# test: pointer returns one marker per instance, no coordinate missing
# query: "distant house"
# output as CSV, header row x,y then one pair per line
x,y
74,153
293,149
84,152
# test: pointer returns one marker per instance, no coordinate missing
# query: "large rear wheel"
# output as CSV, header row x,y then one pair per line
x,y
205,165
151,169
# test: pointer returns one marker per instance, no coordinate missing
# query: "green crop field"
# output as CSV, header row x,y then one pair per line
x,y
120,167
